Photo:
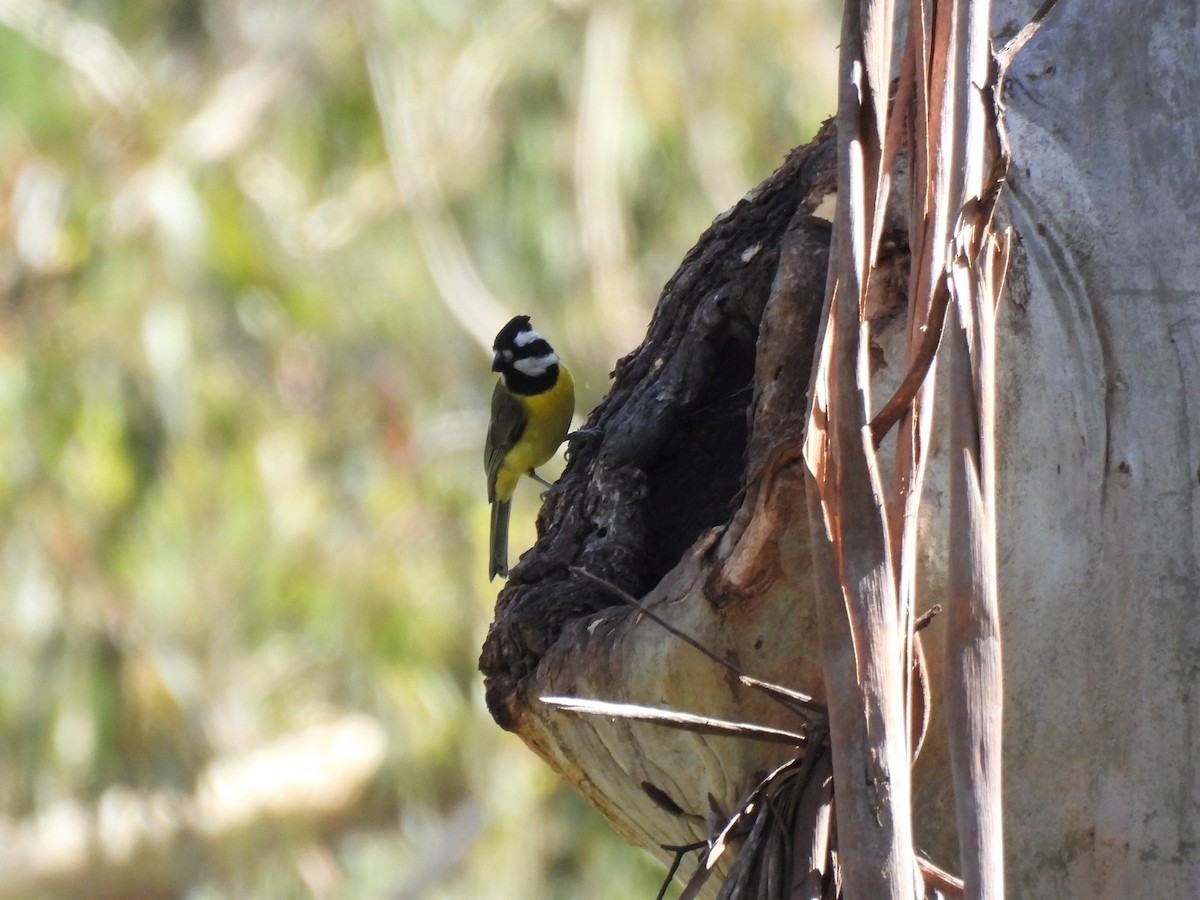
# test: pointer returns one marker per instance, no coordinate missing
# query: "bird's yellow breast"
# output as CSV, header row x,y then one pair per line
x,y
547,420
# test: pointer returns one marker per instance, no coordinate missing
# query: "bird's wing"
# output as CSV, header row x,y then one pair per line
x,y
504,430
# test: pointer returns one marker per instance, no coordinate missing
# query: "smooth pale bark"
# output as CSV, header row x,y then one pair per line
x,y
1099,449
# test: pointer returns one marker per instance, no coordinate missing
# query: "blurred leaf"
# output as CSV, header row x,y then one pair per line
x,y
241,414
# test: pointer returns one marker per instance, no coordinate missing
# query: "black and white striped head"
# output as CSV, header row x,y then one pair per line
x,y
524,358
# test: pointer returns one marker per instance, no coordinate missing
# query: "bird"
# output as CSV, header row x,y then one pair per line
x,y
532,406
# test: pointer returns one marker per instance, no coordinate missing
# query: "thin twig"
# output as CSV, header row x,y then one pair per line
x,y
914,377
719,844
680,851
939,879
924,619
1021,38
672,719
801,704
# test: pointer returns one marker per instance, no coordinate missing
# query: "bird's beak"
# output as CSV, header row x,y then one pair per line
x,y
496,362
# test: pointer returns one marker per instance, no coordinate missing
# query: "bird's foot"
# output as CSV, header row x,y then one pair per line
x,y
542,481
550,489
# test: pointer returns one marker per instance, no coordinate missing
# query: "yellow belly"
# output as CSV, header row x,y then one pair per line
x,y
548,417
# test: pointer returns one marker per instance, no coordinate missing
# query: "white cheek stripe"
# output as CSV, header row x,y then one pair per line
x,y
525,338
535,365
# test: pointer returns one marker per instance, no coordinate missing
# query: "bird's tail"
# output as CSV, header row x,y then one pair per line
x,y
499,559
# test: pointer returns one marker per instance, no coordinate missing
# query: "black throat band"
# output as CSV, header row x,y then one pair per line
x,y
528,385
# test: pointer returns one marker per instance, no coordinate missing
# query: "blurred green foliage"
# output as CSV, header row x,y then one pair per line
x,y
251,255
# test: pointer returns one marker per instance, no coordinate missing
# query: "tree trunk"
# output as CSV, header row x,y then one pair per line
x,y
691,497
1100,450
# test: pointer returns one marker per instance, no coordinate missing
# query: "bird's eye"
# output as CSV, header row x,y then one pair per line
x,y
507,354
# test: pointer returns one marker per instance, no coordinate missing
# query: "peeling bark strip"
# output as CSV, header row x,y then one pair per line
x,y
974,689
863,627
865,537
962,138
